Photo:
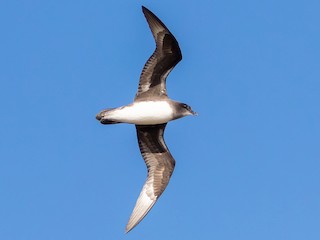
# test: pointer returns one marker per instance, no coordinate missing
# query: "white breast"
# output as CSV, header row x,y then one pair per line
x,y
143,113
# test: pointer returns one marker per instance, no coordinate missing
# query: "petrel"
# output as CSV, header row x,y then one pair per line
x,y
150,111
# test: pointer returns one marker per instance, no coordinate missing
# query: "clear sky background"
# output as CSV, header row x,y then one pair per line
x,y
248,167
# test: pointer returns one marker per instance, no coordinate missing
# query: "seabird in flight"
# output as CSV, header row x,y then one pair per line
x,y
151,110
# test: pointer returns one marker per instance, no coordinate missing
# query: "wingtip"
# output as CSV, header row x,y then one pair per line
x,y
131,225
128,229
146,11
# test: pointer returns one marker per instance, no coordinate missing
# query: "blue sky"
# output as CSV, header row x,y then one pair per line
x,y
247,166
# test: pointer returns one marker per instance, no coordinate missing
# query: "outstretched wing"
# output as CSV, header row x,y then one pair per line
x,y
160,164
166,55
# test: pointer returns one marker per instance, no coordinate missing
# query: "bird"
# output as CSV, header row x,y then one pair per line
x,y
150,112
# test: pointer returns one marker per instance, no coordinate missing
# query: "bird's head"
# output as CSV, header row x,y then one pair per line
x,y
186,110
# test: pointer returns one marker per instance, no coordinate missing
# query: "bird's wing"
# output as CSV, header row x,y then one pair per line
x,y
160,164
166,55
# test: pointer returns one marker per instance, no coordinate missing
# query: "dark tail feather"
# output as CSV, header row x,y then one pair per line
x,y
100,117
106,121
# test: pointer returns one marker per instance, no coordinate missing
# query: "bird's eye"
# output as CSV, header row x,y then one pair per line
x,y
185,106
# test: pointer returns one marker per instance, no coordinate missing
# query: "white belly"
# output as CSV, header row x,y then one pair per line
x,y
143,113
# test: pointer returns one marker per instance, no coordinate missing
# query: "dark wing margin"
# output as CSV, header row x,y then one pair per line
x,y
166,55
160,165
